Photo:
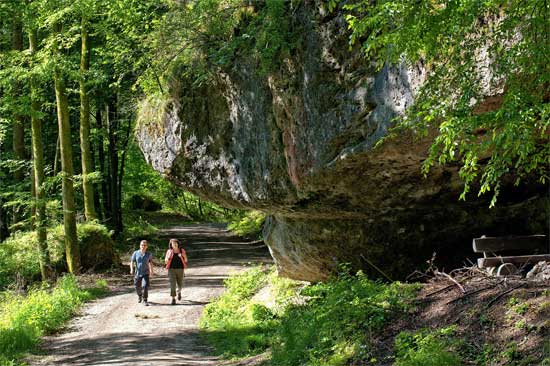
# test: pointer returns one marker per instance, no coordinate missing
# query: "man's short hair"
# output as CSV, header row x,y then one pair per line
x,y
144,242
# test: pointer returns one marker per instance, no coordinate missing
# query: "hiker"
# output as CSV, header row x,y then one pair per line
x,y
143,272
176,262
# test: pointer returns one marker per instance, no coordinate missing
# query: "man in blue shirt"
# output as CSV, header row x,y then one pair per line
x,y
144,270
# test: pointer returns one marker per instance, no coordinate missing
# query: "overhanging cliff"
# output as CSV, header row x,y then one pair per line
x,y
299,144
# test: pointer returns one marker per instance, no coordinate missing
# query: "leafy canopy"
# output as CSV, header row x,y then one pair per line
x,y
488,80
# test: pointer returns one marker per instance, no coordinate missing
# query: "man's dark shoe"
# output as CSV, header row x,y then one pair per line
x,y
179,296
173,301
145,303
139,299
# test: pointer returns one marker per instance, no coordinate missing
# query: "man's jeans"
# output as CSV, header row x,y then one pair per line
x,y
142,285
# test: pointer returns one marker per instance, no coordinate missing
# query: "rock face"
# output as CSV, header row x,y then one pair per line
x,y
299,144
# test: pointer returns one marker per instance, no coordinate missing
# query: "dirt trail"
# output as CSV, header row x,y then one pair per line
x,y
117,330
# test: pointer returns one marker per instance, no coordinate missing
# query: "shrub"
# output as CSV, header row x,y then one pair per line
x,y
327,324
16,260
19,263
19,255
96,246
333,327
233,323
24,319
426,348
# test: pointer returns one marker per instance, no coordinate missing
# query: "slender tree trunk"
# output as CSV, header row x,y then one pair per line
x,y
113,164
4,233
200,207
121,173
56,158
102,167
33,188
69,209
87,185
97,201
38,169
18,120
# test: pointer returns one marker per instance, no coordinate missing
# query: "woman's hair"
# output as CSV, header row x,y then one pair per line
x,y
173,241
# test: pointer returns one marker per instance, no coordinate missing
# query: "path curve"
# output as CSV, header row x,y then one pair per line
x,y
117,330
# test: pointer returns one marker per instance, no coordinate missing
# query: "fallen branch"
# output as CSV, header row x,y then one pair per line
x,y
440,290
474,292
502,294
451,279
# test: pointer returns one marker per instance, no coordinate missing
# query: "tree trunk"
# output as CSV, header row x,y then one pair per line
x,y
56,158
97,201
121,172
4,233
87,185
102,167
69,213
113,165
38,170
18,120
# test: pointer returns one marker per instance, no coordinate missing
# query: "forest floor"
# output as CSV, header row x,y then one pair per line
x,y
117,330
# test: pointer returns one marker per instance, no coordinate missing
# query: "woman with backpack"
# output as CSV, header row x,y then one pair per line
x,y
176,262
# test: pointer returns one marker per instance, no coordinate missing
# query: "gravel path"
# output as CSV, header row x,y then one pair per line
x,y
117,330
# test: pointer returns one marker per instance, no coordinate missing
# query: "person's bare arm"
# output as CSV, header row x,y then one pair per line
x,y
131,267
150,267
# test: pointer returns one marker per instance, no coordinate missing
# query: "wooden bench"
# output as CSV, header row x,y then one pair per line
x,y
510,252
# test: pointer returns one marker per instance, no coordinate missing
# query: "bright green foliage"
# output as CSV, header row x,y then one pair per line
x,y
19,254
471,50
138,227
142,180
248,224
427,348
24,319
322,324
334,327
17,259
195,40
234,325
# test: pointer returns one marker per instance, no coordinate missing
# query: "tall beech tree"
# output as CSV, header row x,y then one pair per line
x,y
87,168
38,164
18,131
68,196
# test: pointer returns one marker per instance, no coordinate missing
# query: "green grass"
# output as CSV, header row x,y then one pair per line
x,y
335,325
232,323
427,348
24,319
321,324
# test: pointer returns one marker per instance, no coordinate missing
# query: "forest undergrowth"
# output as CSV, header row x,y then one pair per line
x,y
354,320
25,318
